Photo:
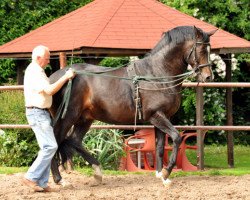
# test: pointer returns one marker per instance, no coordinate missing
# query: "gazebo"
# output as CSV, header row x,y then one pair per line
x,y
117,28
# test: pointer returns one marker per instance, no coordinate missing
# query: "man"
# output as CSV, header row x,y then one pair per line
x,y
38,98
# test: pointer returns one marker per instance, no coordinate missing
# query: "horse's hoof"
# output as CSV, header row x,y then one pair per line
x,y
165,174
57,179
158,174
97,174
65,184
61,168
166,182
69,171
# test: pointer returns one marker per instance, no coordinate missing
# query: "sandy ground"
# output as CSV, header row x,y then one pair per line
x,y
132,186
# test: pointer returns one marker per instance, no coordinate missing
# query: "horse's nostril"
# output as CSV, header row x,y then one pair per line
x,y
209,78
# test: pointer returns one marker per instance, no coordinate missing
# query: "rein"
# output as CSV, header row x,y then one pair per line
x,y
61,112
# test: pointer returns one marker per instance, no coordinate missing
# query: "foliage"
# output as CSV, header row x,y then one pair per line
x,y
229,15
7,71
241,99
19,21
12,107
106,145
17,147
115,62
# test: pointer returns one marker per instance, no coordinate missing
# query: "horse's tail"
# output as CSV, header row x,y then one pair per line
x,y
67,150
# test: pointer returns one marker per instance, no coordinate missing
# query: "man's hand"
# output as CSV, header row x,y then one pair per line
x,y
55,87
70,73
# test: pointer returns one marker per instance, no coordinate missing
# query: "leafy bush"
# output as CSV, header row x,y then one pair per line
x,y
114,62
7,71
17,147
106,145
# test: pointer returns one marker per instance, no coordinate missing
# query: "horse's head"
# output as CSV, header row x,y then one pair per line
x,y
198,56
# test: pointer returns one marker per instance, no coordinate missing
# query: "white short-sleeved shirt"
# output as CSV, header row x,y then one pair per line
x,y
35,80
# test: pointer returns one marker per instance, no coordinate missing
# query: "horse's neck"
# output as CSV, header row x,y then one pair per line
x,y
169,63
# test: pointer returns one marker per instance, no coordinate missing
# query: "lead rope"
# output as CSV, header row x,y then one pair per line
x,y
65,102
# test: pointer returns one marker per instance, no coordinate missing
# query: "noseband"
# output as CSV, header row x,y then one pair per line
x,y
193,50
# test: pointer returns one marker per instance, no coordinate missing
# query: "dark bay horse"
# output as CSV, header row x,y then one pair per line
x,y
100,93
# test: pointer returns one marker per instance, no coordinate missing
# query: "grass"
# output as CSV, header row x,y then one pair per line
x,y
215,164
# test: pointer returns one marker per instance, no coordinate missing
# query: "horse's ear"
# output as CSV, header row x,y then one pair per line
x,y
212,32
198,32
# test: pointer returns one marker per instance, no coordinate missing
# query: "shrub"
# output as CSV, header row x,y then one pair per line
x,y
106,145
17,147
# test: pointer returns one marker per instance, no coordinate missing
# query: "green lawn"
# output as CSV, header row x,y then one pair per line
x,y
215,163
215,160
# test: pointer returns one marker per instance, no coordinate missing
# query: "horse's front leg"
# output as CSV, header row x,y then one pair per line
x,y
160,143
160,121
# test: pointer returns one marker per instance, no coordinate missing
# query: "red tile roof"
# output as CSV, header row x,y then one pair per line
x,y
124,24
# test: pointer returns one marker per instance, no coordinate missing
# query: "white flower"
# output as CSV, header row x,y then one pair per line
x,y
195,12
1,132
133,58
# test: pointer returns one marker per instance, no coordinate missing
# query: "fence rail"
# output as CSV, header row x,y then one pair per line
x,y
138,127
187,84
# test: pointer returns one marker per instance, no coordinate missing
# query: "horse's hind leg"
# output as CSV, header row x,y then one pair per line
x,y
163,126
74,142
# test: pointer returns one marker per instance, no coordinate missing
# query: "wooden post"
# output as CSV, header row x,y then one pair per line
x,y
199,122
229,109
63,59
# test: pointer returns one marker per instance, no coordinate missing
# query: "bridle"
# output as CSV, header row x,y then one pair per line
x,y
197,67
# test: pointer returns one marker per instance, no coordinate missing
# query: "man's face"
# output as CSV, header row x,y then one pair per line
x,y
44,60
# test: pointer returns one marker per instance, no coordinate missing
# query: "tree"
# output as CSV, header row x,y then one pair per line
x,y
18,17
229,15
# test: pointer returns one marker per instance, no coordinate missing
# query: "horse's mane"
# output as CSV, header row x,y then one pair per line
x,y
177,36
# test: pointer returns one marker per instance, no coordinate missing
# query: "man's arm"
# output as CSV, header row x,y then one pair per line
x,y
55,87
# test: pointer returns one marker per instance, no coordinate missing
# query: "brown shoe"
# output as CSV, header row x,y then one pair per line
x,y
32,185
49,189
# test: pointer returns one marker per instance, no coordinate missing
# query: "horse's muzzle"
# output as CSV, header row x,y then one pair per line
x,y
205,77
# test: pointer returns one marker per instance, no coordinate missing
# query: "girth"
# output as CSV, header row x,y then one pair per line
x,y
138,105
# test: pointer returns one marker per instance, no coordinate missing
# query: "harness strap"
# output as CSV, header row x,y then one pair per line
x,y
138,105
61,111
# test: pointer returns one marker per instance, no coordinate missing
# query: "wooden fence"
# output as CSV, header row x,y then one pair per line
x,y
199,121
